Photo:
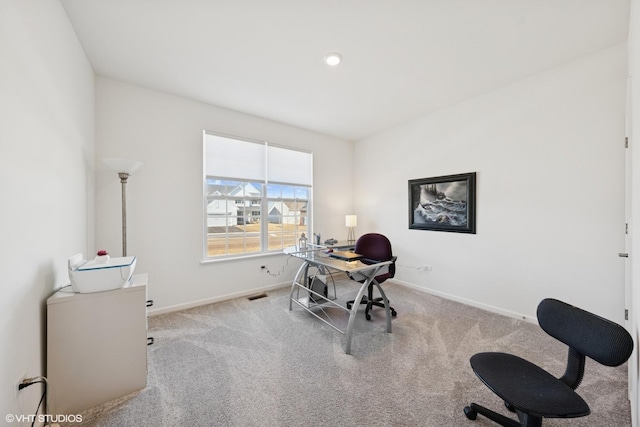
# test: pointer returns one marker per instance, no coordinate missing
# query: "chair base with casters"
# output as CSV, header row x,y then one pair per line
x,y
533,393
374,247
370,301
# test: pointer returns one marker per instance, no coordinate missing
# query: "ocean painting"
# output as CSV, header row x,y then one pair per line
x,y
443,203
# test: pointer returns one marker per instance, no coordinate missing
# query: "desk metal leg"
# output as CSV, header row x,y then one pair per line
x,y
354,307
303,269
323,270
354,310
303,273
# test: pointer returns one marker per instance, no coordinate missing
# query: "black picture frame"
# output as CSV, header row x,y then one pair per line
x,y
443,203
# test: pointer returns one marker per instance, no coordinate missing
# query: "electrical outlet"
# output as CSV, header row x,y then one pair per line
x,y
16,391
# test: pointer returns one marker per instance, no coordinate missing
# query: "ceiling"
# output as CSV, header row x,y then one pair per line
x,y
402,59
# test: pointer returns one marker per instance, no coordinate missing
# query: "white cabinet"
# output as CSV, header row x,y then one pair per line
x,y
96,346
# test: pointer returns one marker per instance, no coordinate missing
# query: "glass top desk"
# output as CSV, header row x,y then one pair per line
x,y
312,301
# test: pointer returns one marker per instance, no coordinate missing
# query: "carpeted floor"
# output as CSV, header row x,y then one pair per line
x,y
255,363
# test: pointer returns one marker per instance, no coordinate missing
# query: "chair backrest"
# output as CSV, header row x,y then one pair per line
x,y
600,339
376,247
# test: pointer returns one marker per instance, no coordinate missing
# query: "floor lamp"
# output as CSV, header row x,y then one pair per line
x,y
351,221
124,168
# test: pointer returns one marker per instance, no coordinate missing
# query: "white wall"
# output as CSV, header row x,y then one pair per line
x,y
46,180
165,208
549,154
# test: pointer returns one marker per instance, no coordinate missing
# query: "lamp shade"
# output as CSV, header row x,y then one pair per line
x,y
122,165
351,220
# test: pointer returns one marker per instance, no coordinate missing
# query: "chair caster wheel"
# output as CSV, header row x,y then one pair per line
x,y
394,313
471,413
510,407
367,316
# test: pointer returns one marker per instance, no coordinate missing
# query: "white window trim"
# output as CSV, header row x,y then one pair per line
x,y
264,231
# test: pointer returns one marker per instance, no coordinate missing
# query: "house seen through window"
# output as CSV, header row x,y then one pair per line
x,y
257,196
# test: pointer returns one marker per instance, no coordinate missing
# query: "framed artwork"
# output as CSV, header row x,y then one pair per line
x,y
443,203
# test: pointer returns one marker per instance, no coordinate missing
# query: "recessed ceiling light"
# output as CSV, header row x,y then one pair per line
x,y
333,59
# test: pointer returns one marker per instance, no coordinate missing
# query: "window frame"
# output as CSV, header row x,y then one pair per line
x,y
264,202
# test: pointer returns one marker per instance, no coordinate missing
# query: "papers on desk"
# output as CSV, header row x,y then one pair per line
x,y
345,255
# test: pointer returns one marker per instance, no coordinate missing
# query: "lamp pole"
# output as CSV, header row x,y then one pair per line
x,y
124,169
123,180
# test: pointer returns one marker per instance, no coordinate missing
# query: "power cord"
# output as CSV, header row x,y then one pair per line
x,y
37,380
264,267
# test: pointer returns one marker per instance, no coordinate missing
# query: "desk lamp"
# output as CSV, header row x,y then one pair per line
x,y
124,168
351,221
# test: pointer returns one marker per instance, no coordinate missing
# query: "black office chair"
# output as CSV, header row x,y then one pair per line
x,y
374,247
532,392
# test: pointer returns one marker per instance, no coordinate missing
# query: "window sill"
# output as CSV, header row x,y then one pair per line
x,y
239,257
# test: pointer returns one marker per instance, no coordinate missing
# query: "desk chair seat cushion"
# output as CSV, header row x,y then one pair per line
x,y
528,387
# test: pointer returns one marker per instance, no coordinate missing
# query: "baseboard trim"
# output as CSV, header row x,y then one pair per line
x,y
221,298
467,301
226,297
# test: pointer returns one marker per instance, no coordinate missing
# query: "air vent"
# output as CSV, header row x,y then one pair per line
x,y
254,297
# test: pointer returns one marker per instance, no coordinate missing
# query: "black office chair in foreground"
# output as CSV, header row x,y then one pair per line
x,y
374,247
532,392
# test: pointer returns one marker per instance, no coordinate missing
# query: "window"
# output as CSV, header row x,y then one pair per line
x,y
257,196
